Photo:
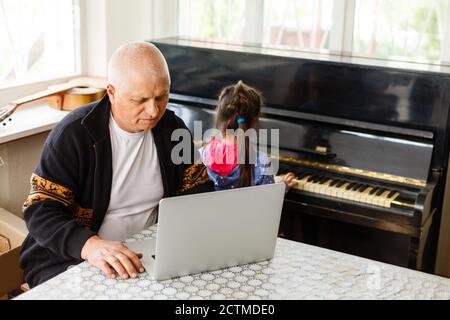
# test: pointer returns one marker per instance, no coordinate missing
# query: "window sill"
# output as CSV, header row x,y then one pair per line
x,y
29,120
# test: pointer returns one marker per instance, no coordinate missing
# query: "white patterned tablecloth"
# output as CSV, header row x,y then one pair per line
x,y
298,271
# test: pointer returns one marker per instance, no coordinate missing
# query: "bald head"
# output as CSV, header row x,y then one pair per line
x,y
134,59
138,86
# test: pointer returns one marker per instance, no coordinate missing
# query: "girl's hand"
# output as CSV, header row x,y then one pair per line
x,y
288,179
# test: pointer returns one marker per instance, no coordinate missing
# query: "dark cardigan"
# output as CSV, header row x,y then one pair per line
x,y
70,188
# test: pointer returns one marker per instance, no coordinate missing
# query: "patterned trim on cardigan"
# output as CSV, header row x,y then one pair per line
x,y
44,190
194,176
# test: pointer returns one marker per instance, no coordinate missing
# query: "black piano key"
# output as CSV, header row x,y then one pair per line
x,y
341,183
356,187
391,194
334,182
350,186
380,192
311,177
315,179
302,175
321,179
324,179
363,188
373,190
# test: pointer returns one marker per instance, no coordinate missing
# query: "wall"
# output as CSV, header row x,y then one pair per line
x,y
108,24
19,159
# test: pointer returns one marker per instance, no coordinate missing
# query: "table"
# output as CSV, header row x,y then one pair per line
x,y
297,271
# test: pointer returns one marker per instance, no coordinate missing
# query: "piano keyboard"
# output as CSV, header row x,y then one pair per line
x,y
343,189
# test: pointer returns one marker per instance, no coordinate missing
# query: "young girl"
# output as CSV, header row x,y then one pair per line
x,y
239,107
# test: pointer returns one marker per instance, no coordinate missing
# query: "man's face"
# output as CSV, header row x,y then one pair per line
x,y
140,101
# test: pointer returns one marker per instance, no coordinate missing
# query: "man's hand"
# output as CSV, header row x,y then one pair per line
x,y
288,179
112,257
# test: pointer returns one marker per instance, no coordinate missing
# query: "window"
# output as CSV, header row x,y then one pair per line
x,y
303,24
400,29
397,30
39,40
221,20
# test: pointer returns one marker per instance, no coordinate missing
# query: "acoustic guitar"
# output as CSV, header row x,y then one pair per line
x,y
67,96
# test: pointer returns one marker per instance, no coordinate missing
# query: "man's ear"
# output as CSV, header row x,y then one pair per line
x,y
111,91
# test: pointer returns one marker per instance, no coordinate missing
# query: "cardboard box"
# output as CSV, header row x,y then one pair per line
x,y
13,228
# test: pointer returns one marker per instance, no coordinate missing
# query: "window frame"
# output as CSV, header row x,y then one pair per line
x,y
445,58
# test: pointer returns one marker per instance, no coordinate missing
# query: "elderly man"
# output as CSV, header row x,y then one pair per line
x,y
103,170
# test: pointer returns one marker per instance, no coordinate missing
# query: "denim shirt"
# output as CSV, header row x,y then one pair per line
x,y
263,173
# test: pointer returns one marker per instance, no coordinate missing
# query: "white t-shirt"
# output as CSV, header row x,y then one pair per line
x,y
137,184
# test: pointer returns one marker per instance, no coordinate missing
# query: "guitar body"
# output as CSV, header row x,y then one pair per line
x,y
74,98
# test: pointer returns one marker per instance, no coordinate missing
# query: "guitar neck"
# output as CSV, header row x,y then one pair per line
x,y
10,108
43,94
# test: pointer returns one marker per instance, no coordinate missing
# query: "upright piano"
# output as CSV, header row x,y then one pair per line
x,y
368,144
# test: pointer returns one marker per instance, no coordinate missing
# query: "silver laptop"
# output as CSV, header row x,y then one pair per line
x,y
214,230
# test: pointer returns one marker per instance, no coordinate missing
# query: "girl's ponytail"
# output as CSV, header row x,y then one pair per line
x,y
239,107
